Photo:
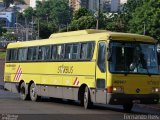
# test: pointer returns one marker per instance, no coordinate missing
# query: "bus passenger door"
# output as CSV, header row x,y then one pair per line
x,y
101,73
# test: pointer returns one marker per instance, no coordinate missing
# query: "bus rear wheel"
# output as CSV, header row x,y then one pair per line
x,y
23,92
127,107
87,99
33,92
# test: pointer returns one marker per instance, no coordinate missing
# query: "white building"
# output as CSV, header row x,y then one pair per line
x,y
123,1
32,3
106,5
115,5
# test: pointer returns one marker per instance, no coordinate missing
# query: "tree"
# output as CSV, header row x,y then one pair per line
x,y
82,19
117,22
81,12
28,13
85,22
145,19
2,30
54,10
20,1
47,29
52,13
9,36
8,2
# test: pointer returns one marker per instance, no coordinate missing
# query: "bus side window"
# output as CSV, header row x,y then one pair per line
x,y
90,50
22,54
13,54
75,51
68,51
54,52
29,54
47,53
44,53
86,50
32,53
102,57
40,53
83,54
57,52
60,52
8,55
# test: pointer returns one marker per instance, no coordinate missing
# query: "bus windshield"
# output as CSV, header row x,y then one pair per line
x,y
133,58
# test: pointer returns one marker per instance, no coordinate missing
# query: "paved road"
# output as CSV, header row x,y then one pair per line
x,y
10,104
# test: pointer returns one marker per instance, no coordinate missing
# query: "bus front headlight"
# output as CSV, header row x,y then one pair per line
x,y
155,90
118,89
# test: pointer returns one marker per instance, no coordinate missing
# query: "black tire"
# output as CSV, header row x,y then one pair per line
x,y
23,92
33,92
127,107
87,99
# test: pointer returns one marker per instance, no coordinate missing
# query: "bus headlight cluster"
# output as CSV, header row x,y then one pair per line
x,y
118,89
155,90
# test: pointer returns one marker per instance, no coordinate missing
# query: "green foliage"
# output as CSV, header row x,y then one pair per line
x,y
2,30
81,12
130,6
146,15
53,14
29,12
85,22
9,36
2,55
8,2
20,1
47,29
54,10
82,19
117,22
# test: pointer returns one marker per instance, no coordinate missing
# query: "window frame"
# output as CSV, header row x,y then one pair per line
x,y
51,52
43,59
55,45
25,55
32,56
8,57
102,67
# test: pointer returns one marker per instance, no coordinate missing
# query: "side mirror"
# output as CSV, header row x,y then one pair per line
x,y
132,66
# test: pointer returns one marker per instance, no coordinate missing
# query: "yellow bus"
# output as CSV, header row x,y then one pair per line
x,y
91,66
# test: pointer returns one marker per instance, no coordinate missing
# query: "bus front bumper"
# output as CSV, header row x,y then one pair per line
x,y
119,98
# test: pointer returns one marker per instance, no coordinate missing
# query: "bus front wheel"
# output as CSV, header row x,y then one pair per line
x,y
87,99
23,92
127,107
33,92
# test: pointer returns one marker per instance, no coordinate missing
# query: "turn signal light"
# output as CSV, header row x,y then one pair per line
x,y
110,89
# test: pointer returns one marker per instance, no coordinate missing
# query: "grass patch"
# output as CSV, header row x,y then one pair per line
x,y
2,55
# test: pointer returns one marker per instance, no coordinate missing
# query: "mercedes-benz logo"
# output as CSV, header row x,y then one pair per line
x,y
138,90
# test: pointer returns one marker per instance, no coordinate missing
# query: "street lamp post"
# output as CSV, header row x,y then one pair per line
x,y
23,29
98,16
144,28
38,29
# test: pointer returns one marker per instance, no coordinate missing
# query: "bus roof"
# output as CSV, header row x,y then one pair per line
x,y
84,35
